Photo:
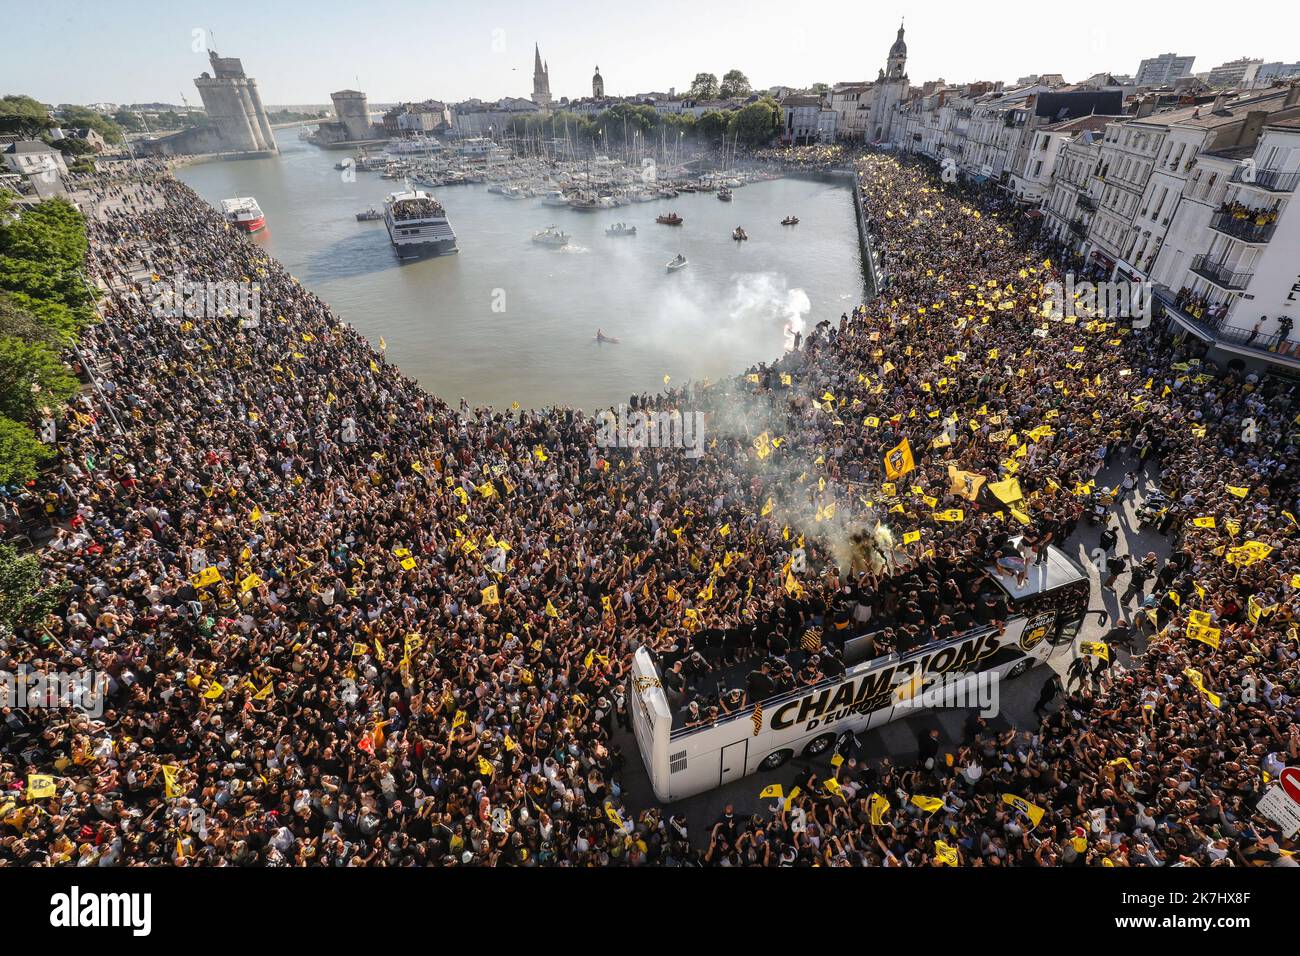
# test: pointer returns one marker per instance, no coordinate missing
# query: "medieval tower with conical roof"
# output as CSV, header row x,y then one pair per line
x,y
598,85
541,80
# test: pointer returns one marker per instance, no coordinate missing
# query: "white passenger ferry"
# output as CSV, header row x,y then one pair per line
x,y
417,225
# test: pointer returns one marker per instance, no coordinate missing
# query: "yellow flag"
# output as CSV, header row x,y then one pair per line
x,y
899,461
928,804
1239,492
945,854
1199,683
489,595
40,786
967,484
1034,812
550,609
1205,522
952,514
878,807
1095,649
771,791
1204,634
206,578
1007,491
171,782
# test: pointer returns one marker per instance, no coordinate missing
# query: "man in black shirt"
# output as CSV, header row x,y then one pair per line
x,y
759,684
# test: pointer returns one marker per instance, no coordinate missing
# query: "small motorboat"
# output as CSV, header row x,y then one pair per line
x,y
739,234
370,215
621,229
671,219
724,194
790,221
676,262
550,236
601,337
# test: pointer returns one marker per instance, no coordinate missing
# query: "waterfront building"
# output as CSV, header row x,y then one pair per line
x,y
852,105
1229,274
1165,174
31,157
806,119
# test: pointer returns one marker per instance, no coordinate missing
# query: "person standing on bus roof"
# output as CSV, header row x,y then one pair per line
x,y
759,684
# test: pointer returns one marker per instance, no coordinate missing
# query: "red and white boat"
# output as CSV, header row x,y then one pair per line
x,y
243,214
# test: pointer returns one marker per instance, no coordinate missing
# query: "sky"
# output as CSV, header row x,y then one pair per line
x,y
129,51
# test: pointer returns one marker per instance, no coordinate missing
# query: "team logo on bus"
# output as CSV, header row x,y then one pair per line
x,y
1035,630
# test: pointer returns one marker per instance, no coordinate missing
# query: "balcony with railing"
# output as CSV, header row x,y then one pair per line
x,y
1220,274
1087,203
1255,226
1272,180
1210,324
1079,228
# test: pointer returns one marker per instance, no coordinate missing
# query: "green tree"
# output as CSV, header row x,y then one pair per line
x,y
703,87
735,83
23,116
20,452
712,126
757,123
819,88
44,305
71,146
31,378
78,116
129,120
24,601
42,253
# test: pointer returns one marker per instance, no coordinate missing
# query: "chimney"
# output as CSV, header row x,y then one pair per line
x,y
1251,129
1146,106
1220,102
1292,95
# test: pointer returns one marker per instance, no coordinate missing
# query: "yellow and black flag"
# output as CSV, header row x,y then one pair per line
x,y
899,461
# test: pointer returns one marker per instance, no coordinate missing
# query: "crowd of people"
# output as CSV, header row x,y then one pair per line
x,y
345,623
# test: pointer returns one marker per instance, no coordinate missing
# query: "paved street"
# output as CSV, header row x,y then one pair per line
x,y
898,740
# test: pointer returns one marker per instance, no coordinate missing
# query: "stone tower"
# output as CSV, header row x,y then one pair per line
x,y
897,65
541,80
598,85
889,90
234,106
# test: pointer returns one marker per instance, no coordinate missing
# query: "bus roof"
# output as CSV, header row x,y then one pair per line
x,y
1057,571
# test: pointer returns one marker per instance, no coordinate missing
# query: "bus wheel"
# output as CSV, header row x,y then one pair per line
x,y
818,745
775,759
1019,668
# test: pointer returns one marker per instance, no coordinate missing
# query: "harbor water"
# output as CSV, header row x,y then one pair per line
x,y
510,320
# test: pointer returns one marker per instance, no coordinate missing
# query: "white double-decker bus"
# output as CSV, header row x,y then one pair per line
x,y
1044,615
